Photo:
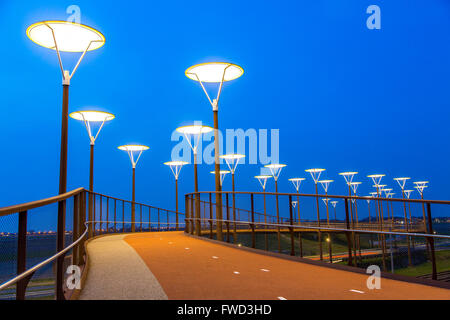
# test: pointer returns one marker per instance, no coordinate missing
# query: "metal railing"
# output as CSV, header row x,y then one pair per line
x,y
382,237
70,236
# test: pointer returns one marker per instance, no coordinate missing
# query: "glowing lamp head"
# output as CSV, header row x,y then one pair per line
x,y
194,129
214,72
70,37
133,147
92,116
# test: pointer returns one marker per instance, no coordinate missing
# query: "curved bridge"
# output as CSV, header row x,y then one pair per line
x,y
174,265
110,248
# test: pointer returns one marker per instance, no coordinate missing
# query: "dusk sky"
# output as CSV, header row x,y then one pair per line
x,y
344,98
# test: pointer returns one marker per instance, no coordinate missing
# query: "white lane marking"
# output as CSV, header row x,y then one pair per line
x,y
236,272
187,248
282,298
215,257
357,291
264,270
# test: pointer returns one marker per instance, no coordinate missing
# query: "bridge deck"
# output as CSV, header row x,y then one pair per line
x,y
189,268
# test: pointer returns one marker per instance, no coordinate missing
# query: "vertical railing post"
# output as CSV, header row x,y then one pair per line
x,y
186,214
158,219
101,216
228,219
140,215
60,234
431,242
347,233
75,231
21,286
94,213
291,228
107,214
123,216
210,217
115,215
90,216
253,222
192,224
82,226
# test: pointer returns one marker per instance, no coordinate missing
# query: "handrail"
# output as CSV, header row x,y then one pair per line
x,y
298,226
38,203
136,203
323,196
43,263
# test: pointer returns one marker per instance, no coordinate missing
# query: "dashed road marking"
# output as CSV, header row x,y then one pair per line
x,y
357,291
187,248
236,272
170,242
282,298
264,270
215,257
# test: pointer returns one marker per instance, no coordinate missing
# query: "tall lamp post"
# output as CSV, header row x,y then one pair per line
x,y
64,36
402,182
215,72
376,179
232,160
263,181
193,135
296,182
175,167
275,170
133,149
420,186
315,175
334,203
89,117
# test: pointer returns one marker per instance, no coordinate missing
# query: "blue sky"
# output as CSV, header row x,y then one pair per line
x,y
343,97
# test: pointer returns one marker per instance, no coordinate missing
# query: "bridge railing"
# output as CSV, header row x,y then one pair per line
x,y
398,235
42,243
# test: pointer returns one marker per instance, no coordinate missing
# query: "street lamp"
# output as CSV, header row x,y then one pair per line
x,y
194,132
275,170
263,181
215,72
89,117
222,173
325,185
334,203
297,182
64,36
402,182
133,149
175,167
420,186
232,160
315,175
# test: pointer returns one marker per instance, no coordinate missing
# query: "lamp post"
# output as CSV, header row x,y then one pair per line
x,y
325,201
376,178
194,133
89,117
175,167
334,203
354,186
131,149
402,182
215,72
420,186
64,36
275,170
408,195
297,182
263,181
315,175
232,160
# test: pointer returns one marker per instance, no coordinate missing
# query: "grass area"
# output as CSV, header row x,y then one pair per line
x,y
442,263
